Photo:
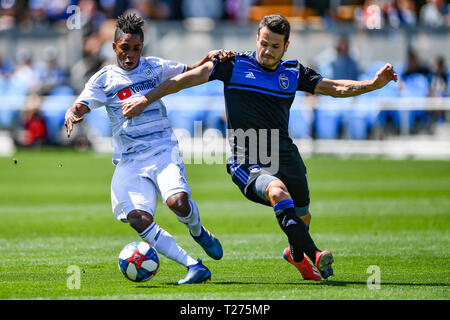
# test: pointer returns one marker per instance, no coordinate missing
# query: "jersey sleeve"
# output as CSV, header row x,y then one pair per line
x,y
171,69
307,79
222,70
93,94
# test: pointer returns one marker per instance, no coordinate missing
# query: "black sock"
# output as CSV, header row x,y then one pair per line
x,y
298,236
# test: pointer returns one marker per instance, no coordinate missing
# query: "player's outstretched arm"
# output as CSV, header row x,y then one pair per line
x,y
194,77
350,88
74,115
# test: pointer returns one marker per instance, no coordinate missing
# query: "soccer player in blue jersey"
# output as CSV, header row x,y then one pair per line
x,y
259,88
146,153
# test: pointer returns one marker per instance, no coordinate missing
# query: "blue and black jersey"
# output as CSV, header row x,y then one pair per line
x,y
259,98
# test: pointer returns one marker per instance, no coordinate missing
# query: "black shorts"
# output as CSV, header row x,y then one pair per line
x,y
292,174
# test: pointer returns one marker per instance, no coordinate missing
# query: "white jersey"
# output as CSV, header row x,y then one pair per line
x,y
147,134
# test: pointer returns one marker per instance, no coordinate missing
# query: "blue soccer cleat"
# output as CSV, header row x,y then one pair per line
x,y
197,273
209,243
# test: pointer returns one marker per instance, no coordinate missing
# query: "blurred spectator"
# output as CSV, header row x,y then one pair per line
x,y
238,10
6,67
55,10
378,14
30,128
203,9
391,14
435,14
51,75
414,65
37,12
24,73
158,9
439,86
415,84
45,11
344,66
114,8
439,78
319,6
407,12
91,16
90,63
7,15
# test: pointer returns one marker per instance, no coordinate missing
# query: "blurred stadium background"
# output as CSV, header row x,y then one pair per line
x,y
49,49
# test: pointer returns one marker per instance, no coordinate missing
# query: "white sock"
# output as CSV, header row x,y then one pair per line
x,y
165,244
192,220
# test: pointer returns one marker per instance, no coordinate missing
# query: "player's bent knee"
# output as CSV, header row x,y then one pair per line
x,y
139,220
179,203
276,191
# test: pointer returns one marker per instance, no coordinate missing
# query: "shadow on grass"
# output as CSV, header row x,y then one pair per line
x,y
332,283
335,283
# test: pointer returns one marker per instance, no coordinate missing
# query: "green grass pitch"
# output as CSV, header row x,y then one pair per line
x,y
55,213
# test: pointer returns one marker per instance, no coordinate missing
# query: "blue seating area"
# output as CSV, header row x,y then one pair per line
x,y
331,118
300,120
53,111
328,120
13,98
203,103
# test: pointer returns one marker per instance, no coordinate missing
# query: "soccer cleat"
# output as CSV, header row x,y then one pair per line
x,y
324,259
209,243
306,268
197,273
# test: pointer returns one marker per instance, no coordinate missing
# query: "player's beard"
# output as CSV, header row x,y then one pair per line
x,y
269,62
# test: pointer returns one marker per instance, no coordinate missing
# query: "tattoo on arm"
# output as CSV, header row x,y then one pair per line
x,y
358,87
347,88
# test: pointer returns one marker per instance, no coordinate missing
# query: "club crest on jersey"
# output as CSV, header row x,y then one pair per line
x,y
284,81
148,72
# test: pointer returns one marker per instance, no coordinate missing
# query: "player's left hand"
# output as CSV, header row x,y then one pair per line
x,y
384,75
220,54
134,107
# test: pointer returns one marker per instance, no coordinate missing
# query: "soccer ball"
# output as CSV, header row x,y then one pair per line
x,y
138,261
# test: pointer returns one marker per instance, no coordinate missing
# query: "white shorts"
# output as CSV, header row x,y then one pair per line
x,y
136,183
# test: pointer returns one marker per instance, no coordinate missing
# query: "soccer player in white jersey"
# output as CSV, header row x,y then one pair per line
x,y
146,154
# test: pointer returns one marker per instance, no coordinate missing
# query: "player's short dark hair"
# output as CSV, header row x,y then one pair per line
x,y
129,24
276,23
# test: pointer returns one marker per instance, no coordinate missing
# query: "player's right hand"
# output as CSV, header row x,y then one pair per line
x,y
384,75
134,106
220,54
71,118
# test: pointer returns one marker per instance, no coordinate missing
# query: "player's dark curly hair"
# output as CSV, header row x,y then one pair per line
x,y
276,23
129,24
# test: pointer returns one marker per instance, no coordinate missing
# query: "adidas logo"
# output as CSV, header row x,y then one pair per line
x,y
250,75
290,222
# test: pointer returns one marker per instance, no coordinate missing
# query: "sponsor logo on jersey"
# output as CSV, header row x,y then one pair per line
x,y
135,88
250,75
125,93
